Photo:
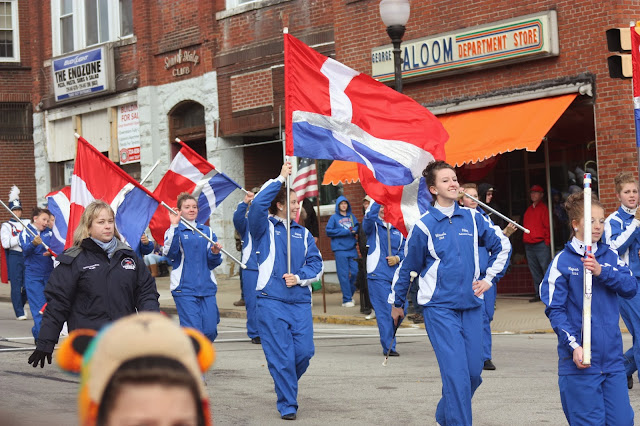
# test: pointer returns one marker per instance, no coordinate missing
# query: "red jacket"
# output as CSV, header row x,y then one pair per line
x,y
536,219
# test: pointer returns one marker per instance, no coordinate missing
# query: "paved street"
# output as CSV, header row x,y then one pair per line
x,y
345,384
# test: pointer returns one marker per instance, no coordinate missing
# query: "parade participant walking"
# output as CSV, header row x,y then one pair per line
x,y
145,247
142,370
491,294
536,243
250,274
442,248
622,233
193,259
594,394
38,263
10,237
342,228
381,265
98,280
284,297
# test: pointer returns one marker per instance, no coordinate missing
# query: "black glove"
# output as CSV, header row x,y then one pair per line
x,y
38,357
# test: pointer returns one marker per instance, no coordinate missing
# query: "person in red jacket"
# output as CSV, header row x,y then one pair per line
x,y
536,244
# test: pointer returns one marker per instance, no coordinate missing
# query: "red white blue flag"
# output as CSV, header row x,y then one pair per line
x,y
191,173
95,177
336,113
635,61
59,204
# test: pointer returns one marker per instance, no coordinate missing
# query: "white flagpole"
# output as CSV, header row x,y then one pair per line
x,y
586,298
288,190
149,173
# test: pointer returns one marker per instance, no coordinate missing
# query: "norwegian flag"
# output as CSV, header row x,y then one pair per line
x,y
191,173
95,177
59,204
305,183
334,112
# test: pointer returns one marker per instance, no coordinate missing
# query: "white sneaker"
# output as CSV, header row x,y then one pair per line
x,y
348,305
372,315
22,317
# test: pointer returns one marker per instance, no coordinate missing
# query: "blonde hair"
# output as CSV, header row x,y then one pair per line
x,y
622,178
90,213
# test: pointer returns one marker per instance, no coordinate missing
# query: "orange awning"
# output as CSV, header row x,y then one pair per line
x,y
480,134
341,171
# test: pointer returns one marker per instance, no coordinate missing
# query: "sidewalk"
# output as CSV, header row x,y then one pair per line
x,y
513,314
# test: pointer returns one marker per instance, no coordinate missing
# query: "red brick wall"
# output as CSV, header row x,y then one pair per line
x,y
583,49
251,90
17,167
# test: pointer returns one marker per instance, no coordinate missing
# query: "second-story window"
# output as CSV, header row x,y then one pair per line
x,y
77,24
9,36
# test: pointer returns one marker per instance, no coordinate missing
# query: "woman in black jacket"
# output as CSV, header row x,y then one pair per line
x,y
98,280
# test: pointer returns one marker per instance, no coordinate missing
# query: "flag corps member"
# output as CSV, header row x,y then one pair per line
x,y
594,394
443,247
284,297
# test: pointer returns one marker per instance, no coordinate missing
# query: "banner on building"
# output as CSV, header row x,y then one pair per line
x,y
128,134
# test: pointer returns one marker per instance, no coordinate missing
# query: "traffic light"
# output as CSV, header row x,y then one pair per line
x,y
619,41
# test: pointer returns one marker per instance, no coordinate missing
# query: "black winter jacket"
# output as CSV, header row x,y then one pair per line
x,y
89,290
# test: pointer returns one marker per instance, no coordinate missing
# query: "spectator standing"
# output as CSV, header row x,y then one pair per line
x,y
342,228
10,237
536,243
486,194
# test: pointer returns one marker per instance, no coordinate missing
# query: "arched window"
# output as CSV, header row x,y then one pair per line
x,y
186,121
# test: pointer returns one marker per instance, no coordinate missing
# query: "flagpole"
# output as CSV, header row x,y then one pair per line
x,y
324,294
149,173
288,189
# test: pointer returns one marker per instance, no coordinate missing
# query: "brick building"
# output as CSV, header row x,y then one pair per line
x,y
212,73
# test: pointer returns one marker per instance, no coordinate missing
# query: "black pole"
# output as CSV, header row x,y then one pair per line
x,y
395,33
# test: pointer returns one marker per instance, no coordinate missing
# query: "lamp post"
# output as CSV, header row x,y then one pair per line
x,y
395,14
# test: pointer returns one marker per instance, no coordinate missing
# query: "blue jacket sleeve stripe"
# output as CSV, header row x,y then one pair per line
x,y
265,269
373,257
617,238
427,285
554,273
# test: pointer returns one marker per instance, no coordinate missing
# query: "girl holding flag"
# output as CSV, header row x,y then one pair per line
x,y
193,259
381,265
443,248
284,297
38,263
594,394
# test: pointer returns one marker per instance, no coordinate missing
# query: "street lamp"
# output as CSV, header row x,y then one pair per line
x,y
395,14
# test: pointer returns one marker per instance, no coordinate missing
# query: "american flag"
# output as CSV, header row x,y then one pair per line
x,y
305,183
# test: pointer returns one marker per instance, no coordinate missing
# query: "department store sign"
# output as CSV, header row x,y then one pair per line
x,y
514,40
83,74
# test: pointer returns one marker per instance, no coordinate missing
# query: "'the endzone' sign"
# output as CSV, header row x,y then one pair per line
x,y
82,74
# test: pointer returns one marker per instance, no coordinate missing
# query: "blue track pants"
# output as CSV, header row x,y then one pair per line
x,y
249,281
199,312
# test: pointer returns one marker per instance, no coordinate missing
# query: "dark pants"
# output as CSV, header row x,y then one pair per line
x,y
363,284
15,264
538,258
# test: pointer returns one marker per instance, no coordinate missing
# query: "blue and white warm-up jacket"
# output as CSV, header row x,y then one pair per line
x,y
241,223
269,235
562,291
378,242
622,233
35,263
192,261
444,252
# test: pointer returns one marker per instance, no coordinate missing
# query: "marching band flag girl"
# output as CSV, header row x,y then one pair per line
x,y
622,233
284,299
381,266
443,248
193,259
595,394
